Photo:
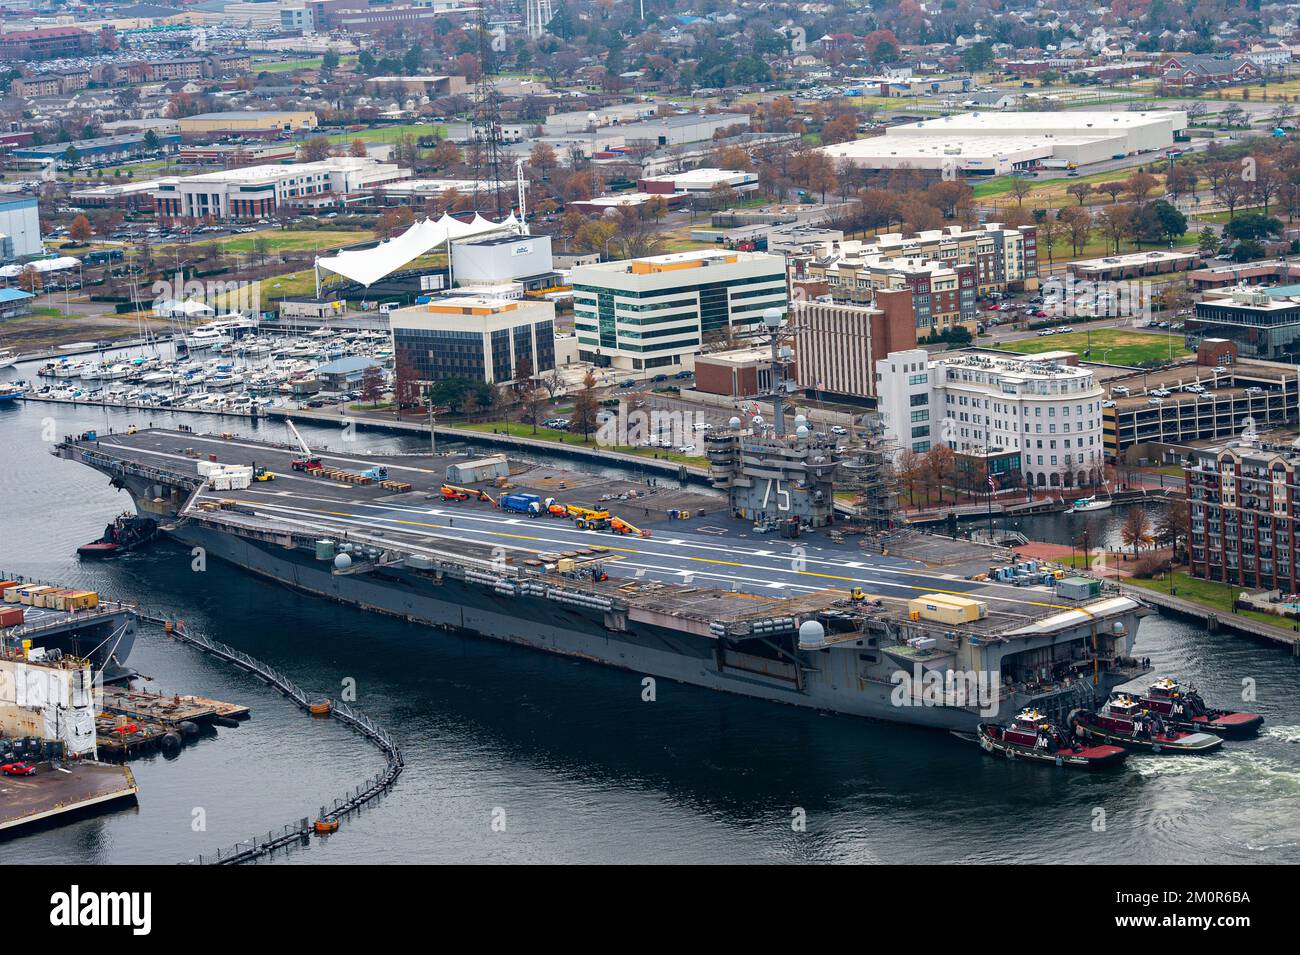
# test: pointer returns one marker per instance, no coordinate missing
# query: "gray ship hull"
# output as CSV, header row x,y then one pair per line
x,y
106,642
837,683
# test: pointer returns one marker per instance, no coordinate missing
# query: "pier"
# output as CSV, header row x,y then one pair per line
x,y
135,722
170,710
1214,620
592,453
144,406
58,792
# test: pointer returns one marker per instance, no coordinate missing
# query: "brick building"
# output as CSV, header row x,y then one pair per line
x,y
1244,503
838,344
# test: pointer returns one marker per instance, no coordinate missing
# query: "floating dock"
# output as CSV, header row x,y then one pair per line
x,y
169,711
56,793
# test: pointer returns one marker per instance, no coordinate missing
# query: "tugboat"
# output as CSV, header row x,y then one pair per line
x,y
126,533
1032,736
1182,707
1124,722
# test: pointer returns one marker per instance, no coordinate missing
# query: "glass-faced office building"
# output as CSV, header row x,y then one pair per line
x,y
656,312
481,339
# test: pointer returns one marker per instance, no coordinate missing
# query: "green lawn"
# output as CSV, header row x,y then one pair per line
x,y
564,437
1209,593
291,240
389,134
1116,346
289,285
309,63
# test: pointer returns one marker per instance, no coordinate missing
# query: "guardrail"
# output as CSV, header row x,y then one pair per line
x,y
301,830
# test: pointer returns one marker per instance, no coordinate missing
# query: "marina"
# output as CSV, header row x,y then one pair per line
x,y
225,367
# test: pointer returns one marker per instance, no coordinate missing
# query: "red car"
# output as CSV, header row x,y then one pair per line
x,y
18,769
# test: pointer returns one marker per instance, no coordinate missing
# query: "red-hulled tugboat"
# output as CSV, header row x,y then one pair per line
x,y
1182,707
125,533
1032,736
1124,722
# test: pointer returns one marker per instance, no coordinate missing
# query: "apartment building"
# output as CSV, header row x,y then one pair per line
x,y
1244,506
1046,409
254,191
1003,258
655,312
46,43
943,297
475,337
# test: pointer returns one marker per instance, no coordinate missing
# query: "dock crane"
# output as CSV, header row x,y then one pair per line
x,y
308,461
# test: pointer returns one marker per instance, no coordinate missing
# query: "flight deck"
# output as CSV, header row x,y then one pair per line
x,y
706,550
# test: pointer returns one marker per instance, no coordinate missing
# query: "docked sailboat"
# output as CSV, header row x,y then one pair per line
x,y
1091,503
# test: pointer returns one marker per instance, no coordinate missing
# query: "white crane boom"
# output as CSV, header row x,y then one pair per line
x,y
306,451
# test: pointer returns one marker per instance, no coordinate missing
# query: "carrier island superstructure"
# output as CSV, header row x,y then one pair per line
x,y
698,594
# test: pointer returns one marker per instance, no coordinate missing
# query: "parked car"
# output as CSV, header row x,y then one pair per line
x,y
839,429
18,769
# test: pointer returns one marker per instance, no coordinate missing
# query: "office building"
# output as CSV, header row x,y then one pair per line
x,y
473,337
254,191
837,345
655,312
1263,322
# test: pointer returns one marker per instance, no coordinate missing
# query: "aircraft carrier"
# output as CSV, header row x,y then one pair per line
x,y
698,593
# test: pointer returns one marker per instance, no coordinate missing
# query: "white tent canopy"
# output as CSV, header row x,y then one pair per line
x,y
368,266
41,265
170,308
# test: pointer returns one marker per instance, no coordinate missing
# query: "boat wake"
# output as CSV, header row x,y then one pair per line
x,y
1286,734
1244,772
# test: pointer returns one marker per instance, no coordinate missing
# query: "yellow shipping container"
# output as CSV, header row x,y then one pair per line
x,y
83,600
947,608
11,594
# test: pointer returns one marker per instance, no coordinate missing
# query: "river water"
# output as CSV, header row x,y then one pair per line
x,y
517,756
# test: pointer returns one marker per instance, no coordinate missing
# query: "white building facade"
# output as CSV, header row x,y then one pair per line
x,y
1045,409
254,191
656,312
